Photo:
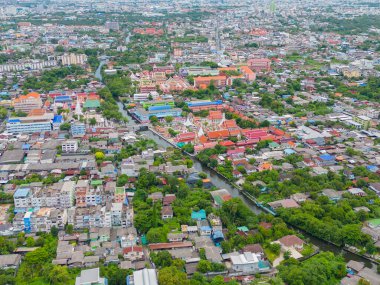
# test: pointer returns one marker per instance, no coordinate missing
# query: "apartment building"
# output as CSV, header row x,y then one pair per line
x,y
69,146
73,59
58,195
260,64
40,220
33,65
78,129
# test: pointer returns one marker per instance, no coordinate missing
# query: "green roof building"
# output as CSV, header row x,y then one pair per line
x,y
91,104
374,223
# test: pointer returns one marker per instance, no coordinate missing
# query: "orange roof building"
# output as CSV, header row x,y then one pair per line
x,y
218,81
25,103
215,116
248,74
221,134
265,166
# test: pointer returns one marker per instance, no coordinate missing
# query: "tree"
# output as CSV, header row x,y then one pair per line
x,y
92,122
122,180
65,126
99,155
156,235
153,120
287,255
169,119
162,259
172,276
114,274
6,246
3,113
364,282
69,229
204,266
54,231
59,49
189,148
29,241
59,275
324,268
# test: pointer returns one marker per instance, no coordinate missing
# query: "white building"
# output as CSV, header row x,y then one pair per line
x,y
143,277
247,262
69,146
116,214
72,58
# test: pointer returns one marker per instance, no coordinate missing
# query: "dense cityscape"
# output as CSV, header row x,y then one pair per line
x,y
163,142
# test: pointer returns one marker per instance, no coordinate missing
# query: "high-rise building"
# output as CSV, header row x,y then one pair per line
x,y
72,58
78,129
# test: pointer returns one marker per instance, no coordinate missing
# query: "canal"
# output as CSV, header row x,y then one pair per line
x,y
220,183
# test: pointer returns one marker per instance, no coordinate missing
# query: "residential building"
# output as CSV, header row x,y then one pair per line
x,y
142,277
73,59
364,121
90,277
247,262
10,261
260,64
78,129
70,146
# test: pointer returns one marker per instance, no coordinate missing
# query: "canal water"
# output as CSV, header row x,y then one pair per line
x,y
222,184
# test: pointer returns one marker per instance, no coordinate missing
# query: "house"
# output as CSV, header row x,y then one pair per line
x,y
90,261
204,228
143,277
166,212
168,199
357,192
326,160
133,253
156,196
10,261
90,277
170,245
200,215
291,241
355,265
332,194
174,237
254,248
299,197
375,187
374,223
286,203
247,262
217,237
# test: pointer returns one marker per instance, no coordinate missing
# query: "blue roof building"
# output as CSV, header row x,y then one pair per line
x,y
57,119
26,146
217,237
327,157
200,215
63,99
21,193
289,151
372,168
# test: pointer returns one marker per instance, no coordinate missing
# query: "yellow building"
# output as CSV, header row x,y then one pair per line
x,y
363,120
351,73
